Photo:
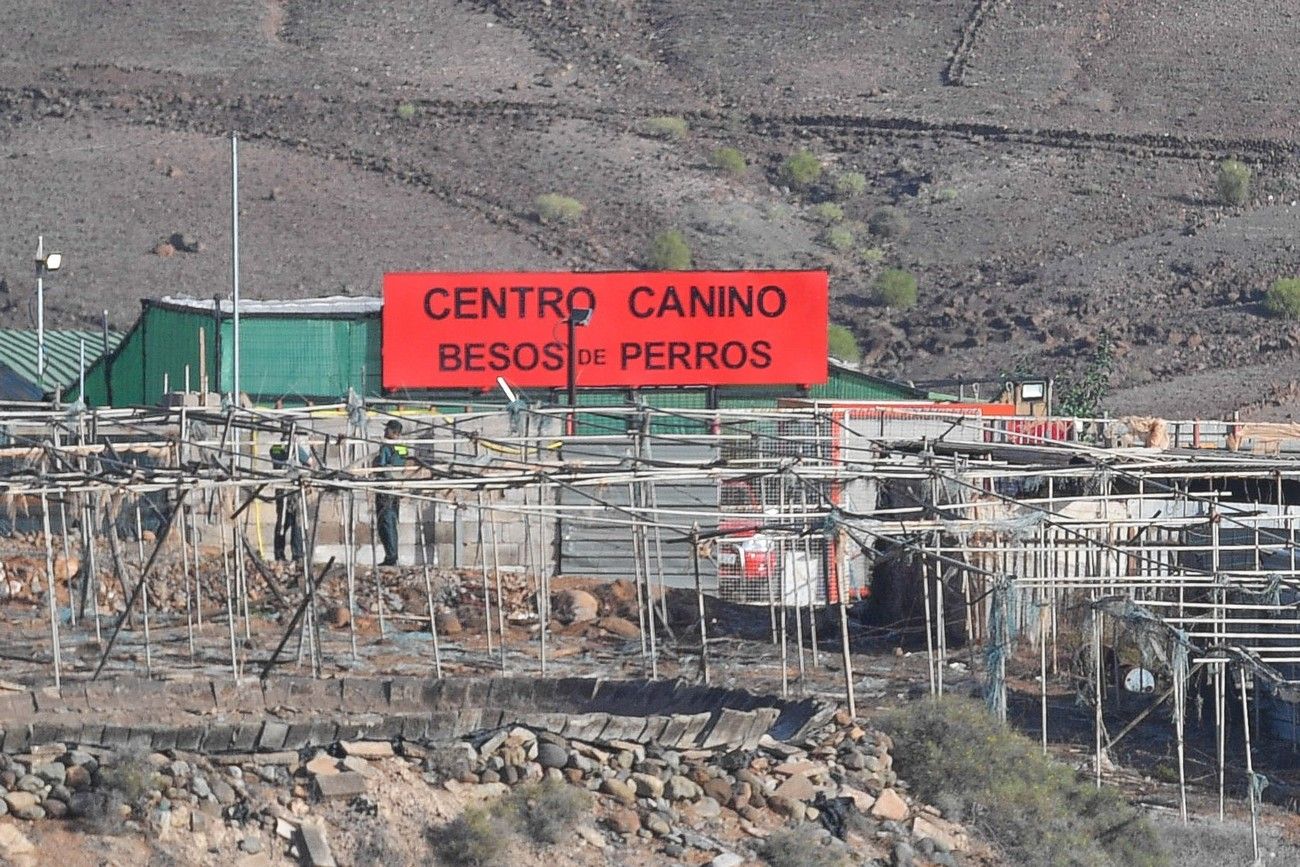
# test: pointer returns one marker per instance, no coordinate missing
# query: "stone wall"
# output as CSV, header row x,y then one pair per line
x,y
211,716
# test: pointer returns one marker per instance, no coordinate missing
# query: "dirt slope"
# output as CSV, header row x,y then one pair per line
x,y
1053,161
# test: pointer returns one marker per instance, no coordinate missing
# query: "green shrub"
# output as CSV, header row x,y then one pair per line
x,y
827,212
670,252
872,255
729,160
801,170
888,222
128,777
1283,298
841,344
546,812
666,126
1233,182
946,194
406,110
838,238
1038,811
475,838
805,845
895,288
849,184
554,208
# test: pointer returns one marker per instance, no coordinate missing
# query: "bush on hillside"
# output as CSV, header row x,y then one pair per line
x,y
841,344
1283,298
838,238
475,838
888,222
666,126
828,212
805,845
554,208
849,184
545,812
895,288
670,252
801,170
1038,811
728,160
1233,182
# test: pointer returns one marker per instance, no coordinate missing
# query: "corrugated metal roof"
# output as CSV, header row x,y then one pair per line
x,y
334,305
18,350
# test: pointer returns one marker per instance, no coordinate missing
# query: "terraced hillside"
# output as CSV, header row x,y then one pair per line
x,y
1045,169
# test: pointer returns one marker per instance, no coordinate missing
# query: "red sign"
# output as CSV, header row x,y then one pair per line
x,y
463,330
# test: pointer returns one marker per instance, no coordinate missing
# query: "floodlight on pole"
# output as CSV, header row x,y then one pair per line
x,y
44,262
578,316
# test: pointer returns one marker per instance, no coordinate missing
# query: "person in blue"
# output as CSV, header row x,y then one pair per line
x,y
289,457
391,454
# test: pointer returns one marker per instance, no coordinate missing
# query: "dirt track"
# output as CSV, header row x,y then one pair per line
x,y
1054,160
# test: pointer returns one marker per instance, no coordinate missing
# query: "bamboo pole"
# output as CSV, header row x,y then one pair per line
x,y
699,600
1250,767
501,600
51,599
433,619
483,573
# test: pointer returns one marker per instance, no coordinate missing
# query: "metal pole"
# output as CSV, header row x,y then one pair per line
x,y
571,376
40,313
699,598
234,256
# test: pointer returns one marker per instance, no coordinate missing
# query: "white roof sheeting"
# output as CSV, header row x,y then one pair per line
x,y
334,305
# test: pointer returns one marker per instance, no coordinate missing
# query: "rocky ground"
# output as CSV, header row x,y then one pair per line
x,y
366,799
1050,164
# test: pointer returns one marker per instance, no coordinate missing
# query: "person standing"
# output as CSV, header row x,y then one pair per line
x,y
289,457
391,454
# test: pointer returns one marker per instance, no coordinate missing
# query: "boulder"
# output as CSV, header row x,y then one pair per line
x,y
889,806
551,756
624,820
648,785
619,790
948,836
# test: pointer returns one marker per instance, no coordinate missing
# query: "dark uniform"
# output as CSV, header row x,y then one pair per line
x,y
390,455
288,527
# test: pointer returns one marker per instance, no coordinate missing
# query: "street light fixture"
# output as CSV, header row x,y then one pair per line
x,y
44,262
578,316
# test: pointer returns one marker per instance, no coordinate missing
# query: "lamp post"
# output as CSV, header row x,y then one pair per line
x,y
44,262
578,316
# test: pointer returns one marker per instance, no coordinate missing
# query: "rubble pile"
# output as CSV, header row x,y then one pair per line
x,y
839,778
